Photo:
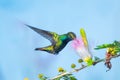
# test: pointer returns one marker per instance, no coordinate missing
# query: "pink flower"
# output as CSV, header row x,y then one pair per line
x,y
82,50
77,43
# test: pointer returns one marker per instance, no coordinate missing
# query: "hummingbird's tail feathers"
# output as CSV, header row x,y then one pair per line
x,y
39,49
48,49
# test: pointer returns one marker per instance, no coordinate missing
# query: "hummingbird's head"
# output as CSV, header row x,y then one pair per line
x,y
71,35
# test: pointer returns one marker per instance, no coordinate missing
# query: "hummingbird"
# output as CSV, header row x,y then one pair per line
x,y
58,42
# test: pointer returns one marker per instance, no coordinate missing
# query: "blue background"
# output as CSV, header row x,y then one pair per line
x,y
99,18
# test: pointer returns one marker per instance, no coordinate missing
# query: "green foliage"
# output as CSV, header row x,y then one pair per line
x,y
113,49
115,44
104,46
89,62
72,78
66,77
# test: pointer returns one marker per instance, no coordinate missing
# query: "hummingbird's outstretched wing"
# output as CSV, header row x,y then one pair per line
x,y
52,36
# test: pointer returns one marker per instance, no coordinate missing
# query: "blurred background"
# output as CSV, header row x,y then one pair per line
x,y
99,18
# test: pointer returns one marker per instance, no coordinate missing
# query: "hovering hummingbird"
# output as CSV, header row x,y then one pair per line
x,y
58,42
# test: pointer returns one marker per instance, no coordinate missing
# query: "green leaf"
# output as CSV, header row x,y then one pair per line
x,y
104,46
57,78
72,78
66,77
